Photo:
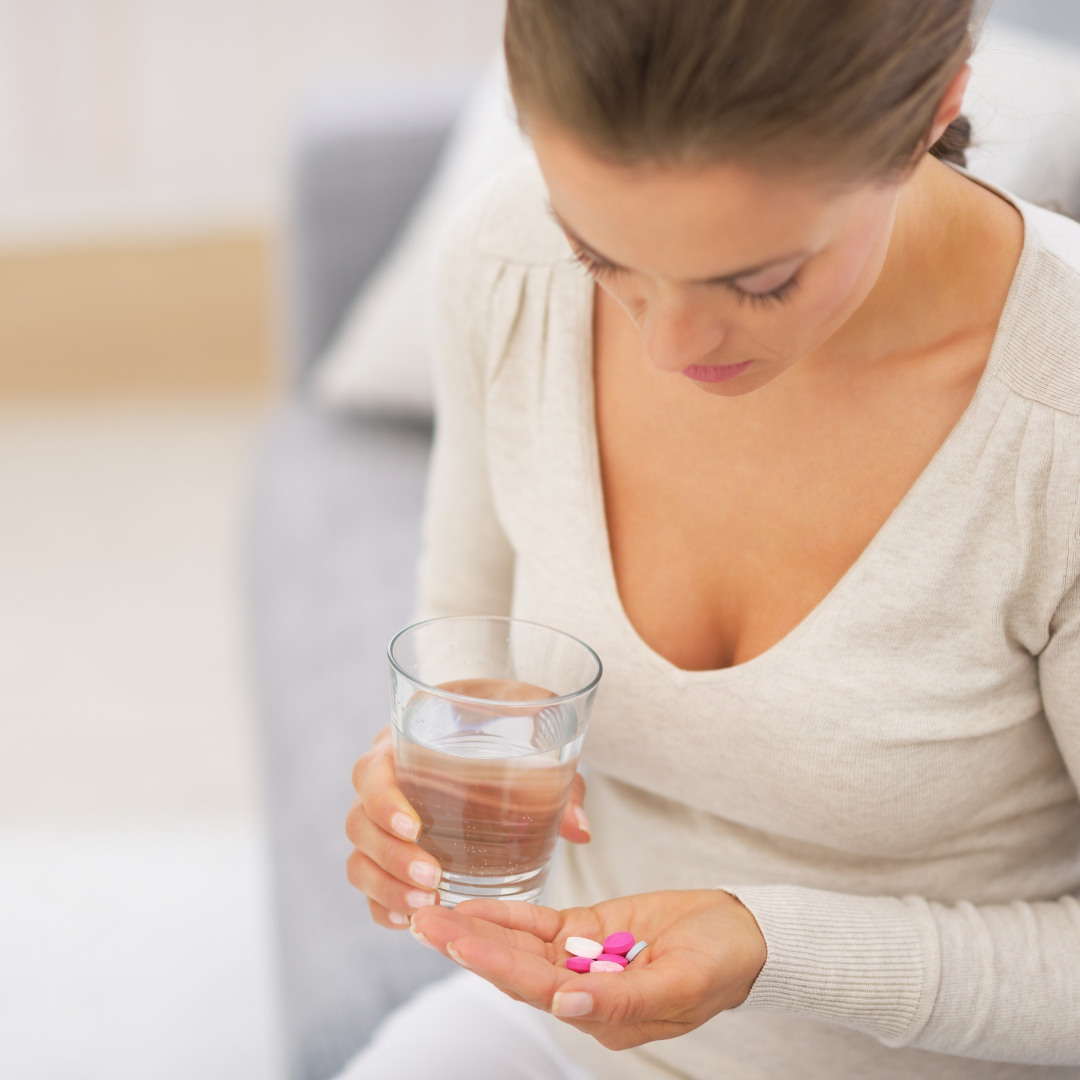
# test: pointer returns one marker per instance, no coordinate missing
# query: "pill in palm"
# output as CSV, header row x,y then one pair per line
x,y
620,943
605,965
580,964
583,946
637,949
615,958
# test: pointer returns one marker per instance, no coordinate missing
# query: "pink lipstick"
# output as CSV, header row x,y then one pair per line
x,y
715,372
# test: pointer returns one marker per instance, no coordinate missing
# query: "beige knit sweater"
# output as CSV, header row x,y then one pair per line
x,y
890,789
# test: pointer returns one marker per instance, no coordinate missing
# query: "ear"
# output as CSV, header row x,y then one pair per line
x,y
951,103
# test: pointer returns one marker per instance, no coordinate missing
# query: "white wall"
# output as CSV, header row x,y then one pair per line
x,y
120,116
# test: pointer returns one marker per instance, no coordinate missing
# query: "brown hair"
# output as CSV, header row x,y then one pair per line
x,y
851,85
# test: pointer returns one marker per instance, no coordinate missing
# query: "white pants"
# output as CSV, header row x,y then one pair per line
x,y
462,1028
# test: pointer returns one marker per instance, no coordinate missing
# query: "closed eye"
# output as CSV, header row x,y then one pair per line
x,y
594,265
751,289
765,299
772,285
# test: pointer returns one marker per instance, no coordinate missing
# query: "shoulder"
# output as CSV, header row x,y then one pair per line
x,y
1040,343
490,257
508,221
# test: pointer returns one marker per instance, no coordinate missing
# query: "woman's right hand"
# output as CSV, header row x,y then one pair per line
x,y
388,866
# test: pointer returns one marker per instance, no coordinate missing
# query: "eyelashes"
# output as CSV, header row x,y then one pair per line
x,y
777,296
599,269
593,266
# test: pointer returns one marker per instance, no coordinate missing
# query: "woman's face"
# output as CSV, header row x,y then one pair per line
x,y
730,274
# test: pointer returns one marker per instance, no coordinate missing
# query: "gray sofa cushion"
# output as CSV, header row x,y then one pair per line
x,y
332,547
364,151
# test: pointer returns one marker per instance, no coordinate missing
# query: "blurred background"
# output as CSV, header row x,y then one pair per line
x,y
200,567
144,170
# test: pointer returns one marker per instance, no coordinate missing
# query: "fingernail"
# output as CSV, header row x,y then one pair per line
x,y
576,1003
405,826
582,820
420,937
425,873
455,957
418,898
398,920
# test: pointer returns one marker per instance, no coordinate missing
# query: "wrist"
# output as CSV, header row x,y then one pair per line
x,y
752,950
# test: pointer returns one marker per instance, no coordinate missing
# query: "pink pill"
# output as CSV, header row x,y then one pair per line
x,y
580,964
614,958
620,943
605,965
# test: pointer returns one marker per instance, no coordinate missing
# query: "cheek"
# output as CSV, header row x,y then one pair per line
x,y
628,294
829,294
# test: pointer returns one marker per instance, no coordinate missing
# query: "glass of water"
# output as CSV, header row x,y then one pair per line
x,y
489,714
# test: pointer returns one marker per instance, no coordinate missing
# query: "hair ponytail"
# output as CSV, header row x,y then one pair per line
x,y
954,143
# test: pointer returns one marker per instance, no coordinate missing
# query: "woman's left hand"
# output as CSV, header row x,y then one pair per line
x,y
705,951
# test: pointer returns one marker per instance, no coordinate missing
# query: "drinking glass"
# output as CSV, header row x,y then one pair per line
x,y
489,714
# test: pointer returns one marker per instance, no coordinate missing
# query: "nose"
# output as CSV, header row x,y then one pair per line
x,y
677,333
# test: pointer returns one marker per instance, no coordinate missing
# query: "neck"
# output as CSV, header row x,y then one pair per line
x,y
942,276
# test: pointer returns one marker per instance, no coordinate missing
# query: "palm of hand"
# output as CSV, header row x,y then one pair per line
x,y
705,950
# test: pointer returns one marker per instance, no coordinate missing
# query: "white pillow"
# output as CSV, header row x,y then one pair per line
x,y
380,359
1024,105
1023,101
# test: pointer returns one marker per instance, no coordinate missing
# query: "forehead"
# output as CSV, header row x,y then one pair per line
x,y
689,221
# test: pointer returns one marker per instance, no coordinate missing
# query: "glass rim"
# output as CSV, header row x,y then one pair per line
x,y
542,702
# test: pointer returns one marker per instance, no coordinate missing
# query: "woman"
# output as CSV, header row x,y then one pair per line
x,y
800,458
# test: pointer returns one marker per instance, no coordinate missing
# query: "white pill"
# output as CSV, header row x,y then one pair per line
x,y
636,949
583,946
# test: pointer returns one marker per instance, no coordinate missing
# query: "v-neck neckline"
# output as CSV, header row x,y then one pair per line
x,y
609,583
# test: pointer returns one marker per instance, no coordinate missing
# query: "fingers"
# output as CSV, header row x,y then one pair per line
x,y
523,973
575,825
541,922
394,895
395,874
376,784
654,999
406,863
636,996
442,926
392,920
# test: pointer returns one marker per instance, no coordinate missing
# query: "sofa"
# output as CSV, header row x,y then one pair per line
x,y
331,546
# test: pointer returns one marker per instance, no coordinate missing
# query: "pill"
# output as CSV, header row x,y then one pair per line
x,y
615,958
605,965
579,964
620,943
583,946
637,949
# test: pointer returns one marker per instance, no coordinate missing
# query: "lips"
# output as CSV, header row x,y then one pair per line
x,y
714,373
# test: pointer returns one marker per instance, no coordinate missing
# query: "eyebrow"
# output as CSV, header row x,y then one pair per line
x,y
725,279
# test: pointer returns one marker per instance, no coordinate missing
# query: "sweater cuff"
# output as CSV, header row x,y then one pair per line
x,y
869,963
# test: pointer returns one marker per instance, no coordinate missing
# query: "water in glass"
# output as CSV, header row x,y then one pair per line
x,y
490,780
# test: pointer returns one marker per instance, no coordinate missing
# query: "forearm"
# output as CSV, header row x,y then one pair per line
x,y
1000,983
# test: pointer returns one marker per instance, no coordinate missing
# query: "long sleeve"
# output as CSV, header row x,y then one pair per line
x,y
997,982
466,565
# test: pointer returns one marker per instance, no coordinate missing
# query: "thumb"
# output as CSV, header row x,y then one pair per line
x,y
651,994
